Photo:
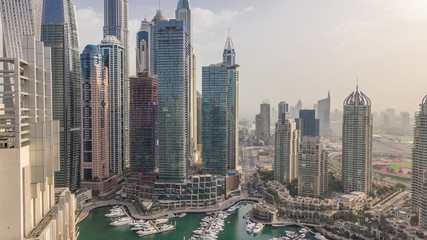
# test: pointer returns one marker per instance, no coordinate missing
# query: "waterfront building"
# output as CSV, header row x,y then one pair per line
x,y
59,31
357,143
113,56
173,76
29,152
312,168
324,115
283,111
220,89
215,90
143,122
95,117
229,60
197,191
286,145
199,119
116,24
307,123
265,213
419,156
183,13
265,121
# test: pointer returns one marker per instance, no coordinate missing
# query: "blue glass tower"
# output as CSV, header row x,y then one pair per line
x,y
220,106
307,123
173,75
215,92
59,31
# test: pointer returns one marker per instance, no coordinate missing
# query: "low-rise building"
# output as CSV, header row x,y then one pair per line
x,y
198,191
83,198
264,213
355,201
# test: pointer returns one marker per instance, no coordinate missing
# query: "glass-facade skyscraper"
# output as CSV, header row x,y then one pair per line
x,y
215,129
307,123
59,31
113,54
95,116
419,164
357,143
116,24
173,75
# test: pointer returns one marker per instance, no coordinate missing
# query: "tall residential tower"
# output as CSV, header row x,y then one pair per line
x,y
59,31
419,157
287,143
357,143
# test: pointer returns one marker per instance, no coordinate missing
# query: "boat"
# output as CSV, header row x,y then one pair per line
x,y
302,236
232,209
320,236
182,215
258,228
291,234
303,230
121,221
166,227
161,220
198,232
143,233
250,227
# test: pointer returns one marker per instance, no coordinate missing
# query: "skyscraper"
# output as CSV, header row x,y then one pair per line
x,y
19,18
95,116
419,156
154,41
258,126
287,143
173,75
116,24
265,121
113,56
199,118
215,128
143,43
143,122
229,61
29,152
283,111
59,31
312,168
183,13
324,114
307,123
357,143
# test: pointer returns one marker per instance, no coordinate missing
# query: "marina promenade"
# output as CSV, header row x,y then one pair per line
x,y
136,215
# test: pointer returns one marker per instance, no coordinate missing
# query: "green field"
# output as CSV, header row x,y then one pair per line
x,y
396,166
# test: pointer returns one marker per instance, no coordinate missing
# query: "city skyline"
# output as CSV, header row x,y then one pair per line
x,y
346,36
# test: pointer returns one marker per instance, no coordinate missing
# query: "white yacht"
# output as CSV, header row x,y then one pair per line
x,y
258,228
250,227
121,221
161,220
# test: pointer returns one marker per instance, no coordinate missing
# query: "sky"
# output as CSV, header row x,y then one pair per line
x,y
300,49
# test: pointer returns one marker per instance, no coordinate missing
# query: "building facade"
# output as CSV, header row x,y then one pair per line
x,y
312,168
215,128
59,31
29,152
143,119
173,75
287,144
265,121
95,116
307,123
116,24
419,156
113,57
283,111
324,115
357,143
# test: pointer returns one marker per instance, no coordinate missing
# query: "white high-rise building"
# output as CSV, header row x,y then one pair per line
x,y
287,144
19,18
357,143
30,206
312,167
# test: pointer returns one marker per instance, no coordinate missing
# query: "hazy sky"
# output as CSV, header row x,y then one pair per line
x,y
291,49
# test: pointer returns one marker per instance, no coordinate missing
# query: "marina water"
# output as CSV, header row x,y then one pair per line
x,y
97,226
